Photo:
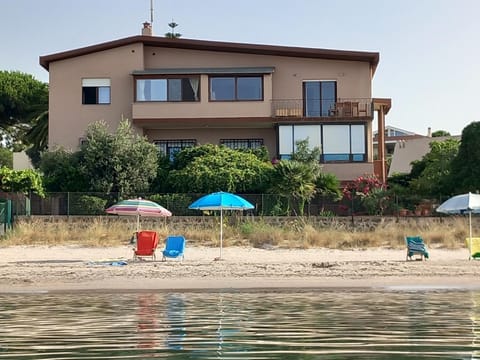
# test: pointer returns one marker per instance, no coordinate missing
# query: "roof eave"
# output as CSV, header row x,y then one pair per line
x,y
274,50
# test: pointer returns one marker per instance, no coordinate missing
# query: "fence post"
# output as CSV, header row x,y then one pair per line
x,y
28,204
351,210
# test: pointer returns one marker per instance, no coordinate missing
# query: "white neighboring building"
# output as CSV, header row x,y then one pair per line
x,y
21,161
410,150
392,131
392,136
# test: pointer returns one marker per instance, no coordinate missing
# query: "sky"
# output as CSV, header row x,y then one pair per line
x,y
429,49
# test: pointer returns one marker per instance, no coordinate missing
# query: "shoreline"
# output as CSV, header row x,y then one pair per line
x,y
76,269
195,285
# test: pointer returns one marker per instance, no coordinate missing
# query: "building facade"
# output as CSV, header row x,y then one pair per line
x,y
182,92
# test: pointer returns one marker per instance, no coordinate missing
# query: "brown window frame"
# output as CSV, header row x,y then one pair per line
x,y
236,77
167,78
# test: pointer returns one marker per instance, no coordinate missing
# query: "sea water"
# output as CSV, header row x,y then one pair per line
x,y
320,324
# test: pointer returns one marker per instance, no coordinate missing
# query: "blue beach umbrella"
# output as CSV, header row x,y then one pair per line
x,y
221,201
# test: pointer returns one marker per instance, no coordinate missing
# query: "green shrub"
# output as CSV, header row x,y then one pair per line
x,y
247,228
176,203
87,205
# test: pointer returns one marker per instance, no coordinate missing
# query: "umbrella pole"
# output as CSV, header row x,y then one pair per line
x,y
138,223
221,232
470,239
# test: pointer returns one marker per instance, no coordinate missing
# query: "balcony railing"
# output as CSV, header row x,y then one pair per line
x,y
341,108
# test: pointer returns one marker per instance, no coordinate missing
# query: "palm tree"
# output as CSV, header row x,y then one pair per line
x,y
295,179
37,137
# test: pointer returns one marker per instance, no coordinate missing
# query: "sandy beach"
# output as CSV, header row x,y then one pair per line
x,y
71,268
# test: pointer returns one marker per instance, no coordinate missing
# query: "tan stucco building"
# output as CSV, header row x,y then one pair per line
x,y
182,92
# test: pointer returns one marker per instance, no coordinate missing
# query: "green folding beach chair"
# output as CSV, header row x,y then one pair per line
x,y
416,246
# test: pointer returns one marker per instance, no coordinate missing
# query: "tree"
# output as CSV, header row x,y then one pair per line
x,y
439,133
160,183
62,171
37,138
210,168
122,162
24,181
296,178
399,188
430,175
328,185
261,153
172,34
465,175
22,99
306,155
6,157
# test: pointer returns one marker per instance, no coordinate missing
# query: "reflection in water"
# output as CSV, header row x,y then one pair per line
x,y
271,325
475,317
147,321
175,317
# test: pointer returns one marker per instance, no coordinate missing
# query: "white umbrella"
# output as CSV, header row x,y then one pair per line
x,y
462,204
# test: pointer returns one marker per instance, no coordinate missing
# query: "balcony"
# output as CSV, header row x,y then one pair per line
x,y
342,108
200,109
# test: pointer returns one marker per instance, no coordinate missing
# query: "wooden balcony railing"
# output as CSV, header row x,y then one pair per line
x,y
341,108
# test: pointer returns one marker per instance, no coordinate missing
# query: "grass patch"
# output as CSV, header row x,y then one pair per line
x,y
297,233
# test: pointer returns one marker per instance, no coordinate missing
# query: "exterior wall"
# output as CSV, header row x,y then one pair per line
x,y
68,118
286,83
204,108
353,81
353,77
205,121
207,136
348,171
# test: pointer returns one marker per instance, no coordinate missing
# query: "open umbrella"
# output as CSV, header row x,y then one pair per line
x,y
138,207
462,204
221,201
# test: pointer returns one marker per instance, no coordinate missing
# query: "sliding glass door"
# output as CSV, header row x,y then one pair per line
x,y
319,97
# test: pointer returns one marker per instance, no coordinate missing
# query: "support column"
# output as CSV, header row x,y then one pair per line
x,y
381,106
381,144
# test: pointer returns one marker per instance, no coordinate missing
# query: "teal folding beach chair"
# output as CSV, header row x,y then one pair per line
x,y
174,247
416,246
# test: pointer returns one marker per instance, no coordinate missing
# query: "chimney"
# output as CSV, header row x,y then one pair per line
x,y
429,132
147,29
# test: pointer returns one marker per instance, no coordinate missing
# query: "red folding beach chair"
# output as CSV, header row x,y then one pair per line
x,y
147,242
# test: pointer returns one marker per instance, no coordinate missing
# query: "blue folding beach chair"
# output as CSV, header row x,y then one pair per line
x,y
416,246
174,247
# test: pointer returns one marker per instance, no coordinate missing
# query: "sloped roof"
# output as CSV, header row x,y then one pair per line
x,y
389,127
410,150
300,52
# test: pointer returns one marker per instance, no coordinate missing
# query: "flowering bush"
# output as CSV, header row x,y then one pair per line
x,y
362,186
370,191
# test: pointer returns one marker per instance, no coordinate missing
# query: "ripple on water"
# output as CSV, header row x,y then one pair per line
x,y
435,323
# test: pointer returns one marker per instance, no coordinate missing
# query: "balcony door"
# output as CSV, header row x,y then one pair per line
x,y
319,97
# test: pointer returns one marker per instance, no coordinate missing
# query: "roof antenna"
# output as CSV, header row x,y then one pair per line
x,y
151,12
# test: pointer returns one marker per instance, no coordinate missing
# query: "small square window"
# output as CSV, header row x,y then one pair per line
x,y
96,91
